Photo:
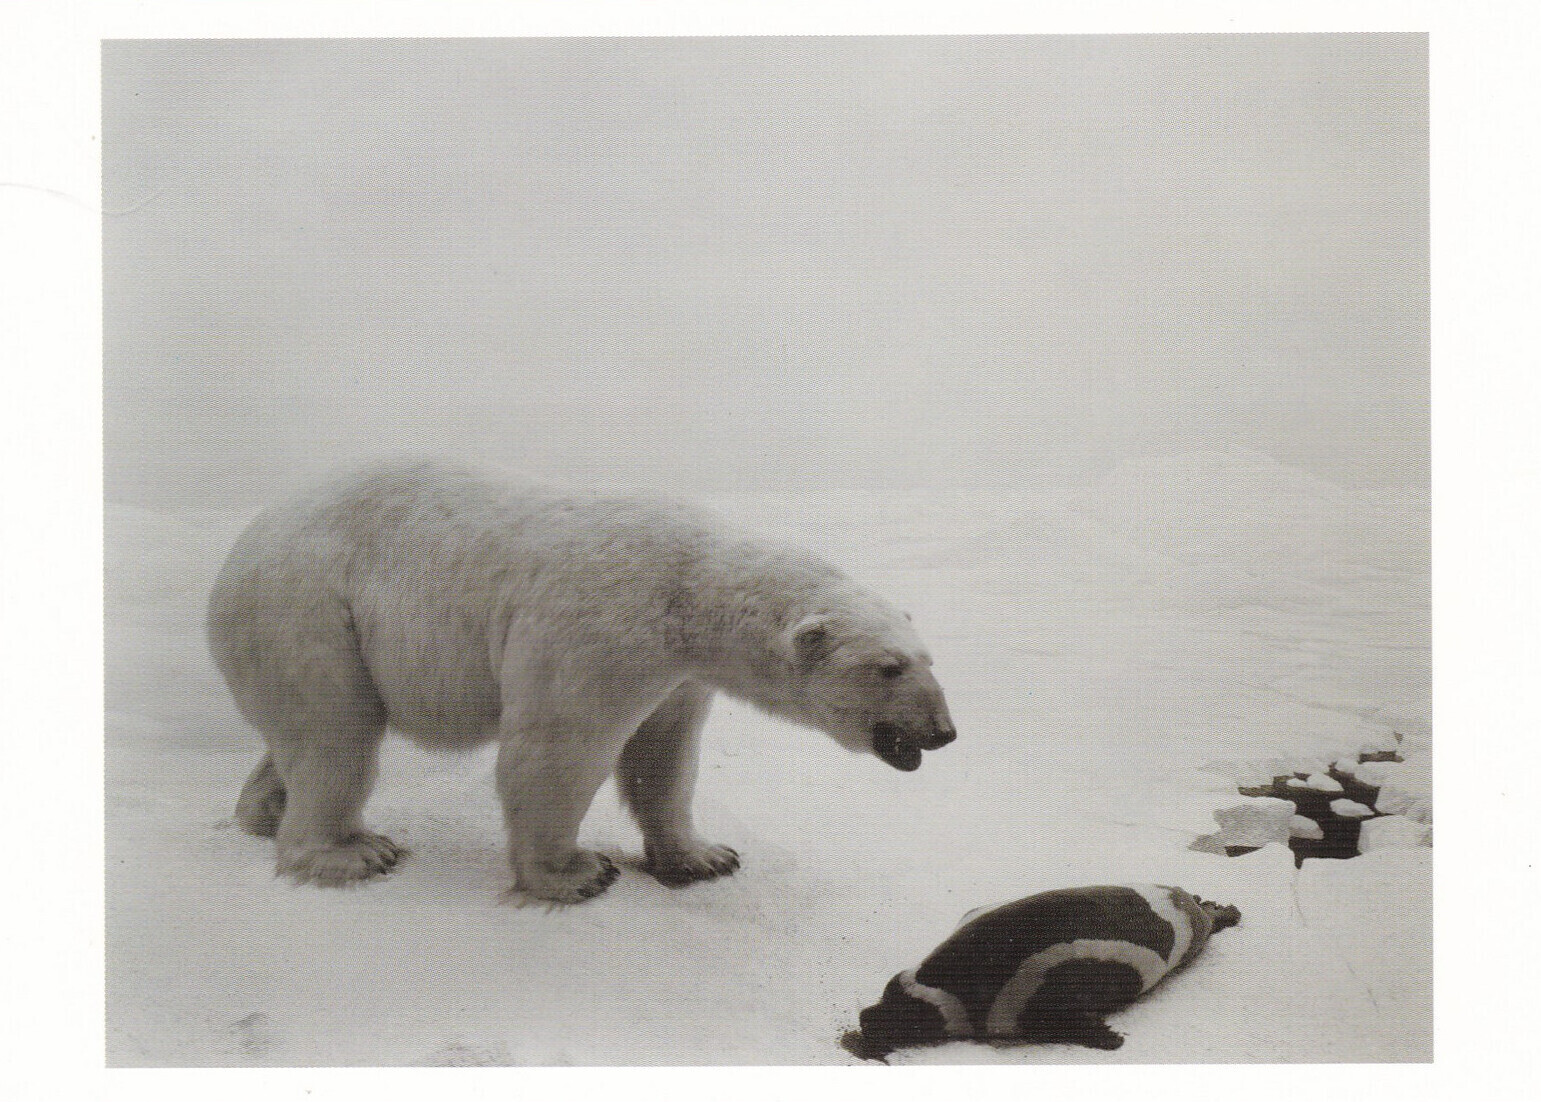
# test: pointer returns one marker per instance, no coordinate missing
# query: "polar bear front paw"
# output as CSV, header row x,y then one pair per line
x,y
677,867
359,857
580,877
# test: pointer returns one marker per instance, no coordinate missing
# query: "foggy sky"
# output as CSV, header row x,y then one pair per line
x,y
728,263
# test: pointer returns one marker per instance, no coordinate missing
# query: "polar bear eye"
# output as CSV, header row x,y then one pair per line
x,y
892,669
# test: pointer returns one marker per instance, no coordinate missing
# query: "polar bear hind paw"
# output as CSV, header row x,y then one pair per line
x,y
359,857
703,862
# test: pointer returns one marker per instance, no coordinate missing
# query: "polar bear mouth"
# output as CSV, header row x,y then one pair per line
x,y
889,743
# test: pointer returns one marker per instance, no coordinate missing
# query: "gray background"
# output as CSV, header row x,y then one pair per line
x,y
748,263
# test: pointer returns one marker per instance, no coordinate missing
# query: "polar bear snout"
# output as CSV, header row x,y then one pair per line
x,y
902,749
889,743
915,719
940,736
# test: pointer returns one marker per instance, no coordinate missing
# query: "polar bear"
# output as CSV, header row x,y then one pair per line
x,y
586,635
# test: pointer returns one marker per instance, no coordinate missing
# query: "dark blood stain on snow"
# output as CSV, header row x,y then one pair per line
x,y
1340,833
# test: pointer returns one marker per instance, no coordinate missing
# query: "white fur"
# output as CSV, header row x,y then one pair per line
x,y
586,635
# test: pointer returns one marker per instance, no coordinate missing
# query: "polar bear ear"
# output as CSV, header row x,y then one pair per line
x,y
811,640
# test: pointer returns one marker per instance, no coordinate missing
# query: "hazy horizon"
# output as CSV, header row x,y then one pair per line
x,y
746,263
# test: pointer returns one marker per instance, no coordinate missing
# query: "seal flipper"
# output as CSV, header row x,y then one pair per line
x,y
861,1046
1074,1028
1222,916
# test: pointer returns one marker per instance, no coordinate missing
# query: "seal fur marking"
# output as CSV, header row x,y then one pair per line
x,y
1008,1007
955,1018
1045,968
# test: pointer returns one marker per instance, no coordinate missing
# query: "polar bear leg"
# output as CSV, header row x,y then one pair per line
x,y
261,805
323,722
290,656
327,776
656,777
563,725
547,778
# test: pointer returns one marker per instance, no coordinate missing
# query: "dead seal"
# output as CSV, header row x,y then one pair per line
x,y
1046,968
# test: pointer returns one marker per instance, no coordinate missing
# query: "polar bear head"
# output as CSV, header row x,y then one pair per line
x,y
863,676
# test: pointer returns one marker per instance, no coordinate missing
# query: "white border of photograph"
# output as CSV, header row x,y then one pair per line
x,y
1484,152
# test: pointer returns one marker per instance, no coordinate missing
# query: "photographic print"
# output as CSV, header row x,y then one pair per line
x,y
767,550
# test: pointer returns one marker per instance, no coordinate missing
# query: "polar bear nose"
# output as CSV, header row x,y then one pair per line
x,y
941,736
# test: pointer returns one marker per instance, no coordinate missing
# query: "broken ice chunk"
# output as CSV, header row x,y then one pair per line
x,y
1254,823
1317,782
1301,827
1350,809
1374,773
1408,790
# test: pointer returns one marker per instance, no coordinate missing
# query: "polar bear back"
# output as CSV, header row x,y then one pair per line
x,y
436,569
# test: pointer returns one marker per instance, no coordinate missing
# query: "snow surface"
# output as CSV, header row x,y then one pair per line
x,y
1120,649
1392,830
